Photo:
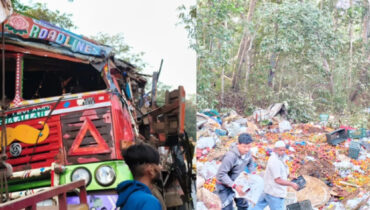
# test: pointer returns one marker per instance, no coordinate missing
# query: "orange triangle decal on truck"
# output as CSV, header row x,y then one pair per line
x,y
101,147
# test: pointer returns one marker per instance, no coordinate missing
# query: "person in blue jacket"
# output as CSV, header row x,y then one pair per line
x,y
143,161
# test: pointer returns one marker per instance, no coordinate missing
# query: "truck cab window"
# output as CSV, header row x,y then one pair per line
x,y
46,77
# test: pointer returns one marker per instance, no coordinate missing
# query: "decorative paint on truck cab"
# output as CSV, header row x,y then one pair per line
x,y
26,134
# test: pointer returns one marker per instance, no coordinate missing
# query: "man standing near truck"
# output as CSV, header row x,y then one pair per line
x,y
233,163
143,161
275,180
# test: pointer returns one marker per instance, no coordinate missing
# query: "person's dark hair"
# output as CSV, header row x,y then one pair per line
x,y
138,155
245,138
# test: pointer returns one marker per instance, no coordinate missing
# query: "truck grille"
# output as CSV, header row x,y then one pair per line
x,y
87,136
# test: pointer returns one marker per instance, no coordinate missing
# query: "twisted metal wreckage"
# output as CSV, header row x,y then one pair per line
x,y
70,107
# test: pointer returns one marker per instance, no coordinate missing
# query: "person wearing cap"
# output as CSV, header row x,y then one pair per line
x,y
275,180
233,163
143,161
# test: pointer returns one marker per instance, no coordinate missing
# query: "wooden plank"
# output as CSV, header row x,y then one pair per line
x,y
31,200
32,207
181,118
69,207
174,94
164,109
62,201
83,194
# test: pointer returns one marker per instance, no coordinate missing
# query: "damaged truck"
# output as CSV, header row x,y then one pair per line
x,y
71,107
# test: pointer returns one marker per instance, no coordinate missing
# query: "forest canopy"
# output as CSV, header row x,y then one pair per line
x,y
312,54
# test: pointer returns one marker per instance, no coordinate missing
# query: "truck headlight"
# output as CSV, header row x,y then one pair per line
x,y
81,173
105,175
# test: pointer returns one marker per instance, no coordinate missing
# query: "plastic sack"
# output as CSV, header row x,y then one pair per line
x,y
200,182
204,142
284,126
208,170
233,129
209,199
252,184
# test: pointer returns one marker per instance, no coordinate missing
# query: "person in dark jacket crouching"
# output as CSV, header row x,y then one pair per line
x,y
233,163
143,161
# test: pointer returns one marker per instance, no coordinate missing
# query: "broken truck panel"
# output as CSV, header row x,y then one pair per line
x,y
73,107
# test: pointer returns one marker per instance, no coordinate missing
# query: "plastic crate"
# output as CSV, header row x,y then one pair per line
x,y
324,117
337,136
303,205
300,181
357,134
354,149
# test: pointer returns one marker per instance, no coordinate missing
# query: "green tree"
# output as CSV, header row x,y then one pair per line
x,y
41,12
121,49
314,55
212,27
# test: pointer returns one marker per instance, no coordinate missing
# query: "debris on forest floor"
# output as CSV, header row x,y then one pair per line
x,y
346,179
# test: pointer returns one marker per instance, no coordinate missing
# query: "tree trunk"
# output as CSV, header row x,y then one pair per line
x,y
223,75
331,78
273,59
249,65
273,63
350,50
363,75
281,79
222,85
366,24
244,46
